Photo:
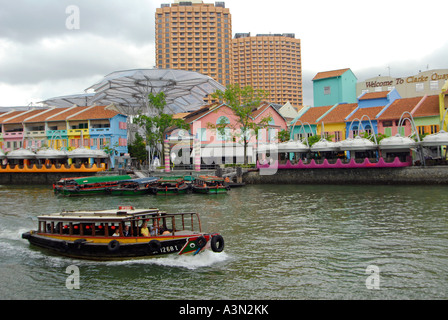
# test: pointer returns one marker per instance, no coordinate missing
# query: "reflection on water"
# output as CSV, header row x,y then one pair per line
x,y
282,242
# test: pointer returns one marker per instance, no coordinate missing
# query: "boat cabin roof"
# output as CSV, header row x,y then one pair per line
x,y
121,215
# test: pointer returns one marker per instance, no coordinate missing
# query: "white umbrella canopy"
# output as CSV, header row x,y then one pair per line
x,y
86,153
21,154
51,154
293,146
397,142
357,143
129,89
437,139
325,145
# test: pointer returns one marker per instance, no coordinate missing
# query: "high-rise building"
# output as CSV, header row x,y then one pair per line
x,y
270,62
195,36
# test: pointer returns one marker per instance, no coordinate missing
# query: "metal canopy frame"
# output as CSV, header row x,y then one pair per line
x,y
129,89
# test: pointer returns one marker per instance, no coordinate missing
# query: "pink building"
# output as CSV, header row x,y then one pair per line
x,y
226,145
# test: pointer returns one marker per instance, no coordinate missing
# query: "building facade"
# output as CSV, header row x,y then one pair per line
x,y
195,36
269,62
332,87
424,83
93,127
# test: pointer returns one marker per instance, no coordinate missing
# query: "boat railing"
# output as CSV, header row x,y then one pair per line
x,y
72,224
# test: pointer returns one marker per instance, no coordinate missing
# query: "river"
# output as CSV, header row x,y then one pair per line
x,y
283,242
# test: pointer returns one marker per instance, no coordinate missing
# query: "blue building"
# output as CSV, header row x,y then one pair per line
x,y
370,106
333,87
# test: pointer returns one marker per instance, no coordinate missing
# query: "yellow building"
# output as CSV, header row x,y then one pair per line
x,y
195,36
271,63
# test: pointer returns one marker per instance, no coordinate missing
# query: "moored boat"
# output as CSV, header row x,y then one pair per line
x,y
123,233
209,185
167,186
134,187
84,186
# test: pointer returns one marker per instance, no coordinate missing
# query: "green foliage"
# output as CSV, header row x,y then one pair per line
x,y
138,148
156,127
283,135
243,102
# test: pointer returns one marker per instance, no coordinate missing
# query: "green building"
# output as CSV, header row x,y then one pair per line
x,y
333,87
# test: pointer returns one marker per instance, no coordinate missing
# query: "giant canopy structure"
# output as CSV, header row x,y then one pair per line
x,y
81,100
129,89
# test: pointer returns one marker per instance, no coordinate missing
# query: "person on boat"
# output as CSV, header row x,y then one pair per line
x,y
144,230
116,233
154,229
126,231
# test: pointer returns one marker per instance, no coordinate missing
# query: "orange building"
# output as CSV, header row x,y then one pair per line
x,y
271,63
195,36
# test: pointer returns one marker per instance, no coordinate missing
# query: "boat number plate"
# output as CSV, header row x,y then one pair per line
x,y
169,249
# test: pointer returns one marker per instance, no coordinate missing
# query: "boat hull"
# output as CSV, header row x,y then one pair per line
x,y
113,248
75,192
170,191
129,192
210,190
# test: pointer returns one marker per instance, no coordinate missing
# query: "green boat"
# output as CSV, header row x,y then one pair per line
x,y
134,187
85,186
209,185
171,186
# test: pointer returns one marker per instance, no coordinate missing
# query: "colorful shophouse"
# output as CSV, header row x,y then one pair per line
x,y
93,127
225,146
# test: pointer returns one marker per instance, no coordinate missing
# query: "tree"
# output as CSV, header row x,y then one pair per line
x,y
138,148
156,127
283,135
242,102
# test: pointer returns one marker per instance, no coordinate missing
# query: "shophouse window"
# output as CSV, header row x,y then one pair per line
x,y
434,85
327,90
419,87
387,124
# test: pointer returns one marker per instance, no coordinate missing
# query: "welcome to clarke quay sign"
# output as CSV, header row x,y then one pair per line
x,y
411,79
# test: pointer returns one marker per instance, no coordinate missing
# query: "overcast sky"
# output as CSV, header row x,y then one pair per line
x,y
43,56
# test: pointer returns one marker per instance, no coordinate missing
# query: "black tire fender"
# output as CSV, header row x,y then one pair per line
x,y
113,246
201,242
217,243
79,243
154,245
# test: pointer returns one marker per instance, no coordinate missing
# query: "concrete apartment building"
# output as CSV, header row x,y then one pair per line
x,y
271,62
195,36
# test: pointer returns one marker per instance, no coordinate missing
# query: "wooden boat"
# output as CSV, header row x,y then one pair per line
x,y
134,187
209,185
171,186
117,234
84,186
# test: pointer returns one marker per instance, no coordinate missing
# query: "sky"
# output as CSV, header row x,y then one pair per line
x,y
46,51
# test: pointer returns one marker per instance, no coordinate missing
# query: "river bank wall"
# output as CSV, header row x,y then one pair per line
x,y
27,178
365,176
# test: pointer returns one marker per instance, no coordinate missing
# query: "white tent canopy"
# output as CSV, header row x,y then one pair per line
x,y
129,89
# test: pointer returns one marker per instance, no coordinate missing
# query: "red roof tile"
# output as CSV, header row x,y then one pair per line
x,y
369,112
312,114
375,95
66,113
398,107
330,74
92,113
429,107
339,113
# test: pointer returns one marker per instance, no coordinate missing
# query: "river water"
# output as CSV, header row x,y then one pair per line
x,y
281,242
